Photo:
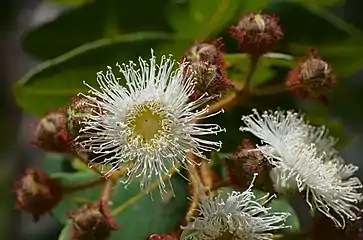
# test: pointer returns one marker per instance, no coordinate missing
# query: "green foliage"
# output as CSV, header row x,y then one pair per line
x,y
158,215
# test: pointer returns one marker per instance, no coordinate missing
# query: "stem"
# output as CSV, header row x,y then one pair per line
x,y
195,184
254,59
82,186
107,190
270,90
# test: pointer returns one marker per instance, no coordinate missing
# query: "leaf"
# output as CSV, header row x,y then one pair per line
x,y
197,19
158,216
155,216
239,65
65,233
54,162
51,84
319,3
93,21
296,21
281,204
70,3
75,200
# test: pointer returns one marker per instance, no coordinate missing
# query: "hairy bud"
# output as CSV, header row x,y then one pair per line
x,y
206,52
311,79
91,222
162,237
79,110
206,64
49,134
257,34
245,163
36,193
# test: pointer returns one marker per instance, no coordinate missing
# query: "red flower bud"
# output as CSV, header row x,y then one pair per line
x,y
257,34
206,64
92,222
206,52
311,79
245,163
37,193
49,134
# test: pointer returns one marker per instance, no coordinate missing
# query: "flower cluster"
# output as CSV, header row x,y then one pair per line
x,y
146,120
306,154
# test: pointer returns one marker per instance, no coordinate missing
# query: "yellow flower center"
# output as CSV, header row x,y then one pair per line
x,y
149,122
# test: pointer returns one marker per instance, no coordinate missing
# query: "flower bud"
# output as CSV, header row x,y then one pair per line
x,y
91,222
76,114
49,134
37,193
243,165
311,79
209,80
162,237
257,34
206,52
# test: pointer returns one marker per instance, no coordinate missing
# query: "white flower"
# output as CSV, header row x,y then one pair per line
x,y
239,217
150,126
306,154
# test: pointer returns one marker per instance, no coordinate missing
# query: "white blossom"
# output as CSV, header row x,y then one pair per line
x,y
306,154
150,125
238,216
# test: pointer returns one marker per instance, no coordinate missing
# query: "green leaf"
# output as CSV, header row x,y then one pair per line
x,y
65,233
239,65
95,20
54,162
296,21
73,201
70,3
51,84
198,19
281,204
319,3
154,215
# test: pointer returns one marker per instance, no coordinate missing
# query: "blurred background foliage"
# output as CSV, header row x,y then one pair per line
x,y
89,35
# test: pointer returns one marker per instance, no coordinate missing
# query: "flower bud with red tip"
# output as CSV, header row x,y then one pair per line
x,y
257,34
311,79
36,193
49,134
92,222
245,163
